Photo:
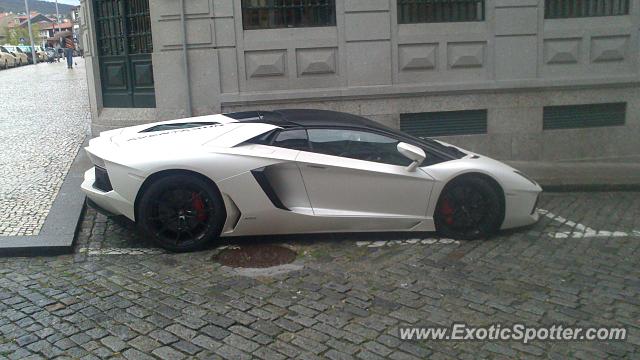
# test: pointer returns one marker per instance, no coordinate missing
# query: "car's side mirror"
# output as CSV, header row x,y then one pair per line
x,y
413,153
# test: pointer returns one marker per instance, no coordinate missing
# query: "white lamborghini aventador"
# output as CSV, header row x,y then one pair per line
x,y
187,182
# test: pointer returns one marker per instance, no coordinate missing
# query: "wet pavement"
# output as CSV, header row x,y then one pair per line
x,y
344,296
44,118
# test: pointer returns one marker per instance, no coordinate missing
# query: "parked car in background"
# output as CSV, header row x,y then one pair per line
x,y
21,57
27,51
42,55
7,60
51,54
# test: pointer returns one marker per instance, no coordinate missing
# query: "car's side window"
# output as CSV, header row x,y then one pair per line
x,y
355,144
292,139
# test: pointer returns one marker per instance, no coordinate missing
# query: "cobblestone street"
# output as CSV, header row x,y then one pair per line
x,y
344,297
44,117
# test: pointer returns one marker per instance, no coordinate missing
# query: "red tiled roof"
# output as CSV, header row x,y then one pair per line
x,y
64,25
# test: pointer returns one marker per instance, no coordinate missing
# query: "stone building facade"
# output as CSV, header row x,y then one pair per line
x,y
514,79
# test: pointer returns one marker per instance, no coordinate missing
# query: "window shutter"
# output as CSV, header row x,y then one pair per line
x,y
444,123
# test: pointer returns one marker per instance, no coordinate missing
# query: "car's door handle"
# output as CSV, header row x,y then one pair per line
x,y
317,166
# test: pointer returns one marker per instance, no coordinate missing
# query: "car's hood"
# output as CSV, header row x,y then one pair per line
x,y
508,177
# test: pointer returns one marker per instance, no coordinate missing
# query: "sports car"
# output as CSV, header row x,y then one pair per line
x,y
188,182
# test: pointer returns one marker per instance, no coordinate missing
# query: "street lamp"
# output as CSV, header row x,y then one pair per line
x,y
33,48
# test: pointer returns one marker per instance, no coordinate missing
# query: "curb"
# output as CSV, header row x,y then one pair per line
x,y
59,230
559,188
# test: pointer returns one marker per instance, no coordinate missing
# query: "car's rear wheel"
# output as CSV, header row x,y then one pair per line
x,y
181,212
469,208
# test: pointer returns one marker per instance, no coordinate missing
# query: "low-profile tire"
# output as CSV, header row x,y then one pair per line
x,y
181,212
469,208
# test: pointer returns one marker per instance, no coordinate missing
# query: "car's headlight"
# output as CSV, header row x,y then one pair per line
x,y
526,177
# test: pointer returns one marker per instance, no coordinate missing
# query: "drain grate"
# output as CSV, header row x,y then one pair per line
x,y
255,256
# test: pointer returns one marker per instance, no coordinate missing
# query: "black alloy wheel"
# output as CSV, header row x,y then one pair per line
x,y
181,212
469,208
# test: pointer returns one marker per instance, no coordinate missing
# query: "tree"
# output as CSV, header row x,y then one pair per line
x,y
17,33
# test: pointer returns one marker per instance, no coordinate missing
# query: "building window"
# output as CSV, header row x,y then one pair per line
x,y
584,116
444,123
272,14
563,9
436,11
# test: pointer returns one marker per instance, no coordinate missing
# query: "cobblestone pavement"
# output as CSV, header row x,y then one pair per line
x,y
345,297
44,118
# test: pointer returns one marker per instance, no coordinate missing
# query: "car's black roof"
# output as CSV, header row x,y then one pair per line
x,y
307,118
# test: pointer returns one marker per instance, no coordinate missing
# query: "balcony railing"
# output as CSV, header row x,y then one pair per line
x,y
563,9
436,11
271,14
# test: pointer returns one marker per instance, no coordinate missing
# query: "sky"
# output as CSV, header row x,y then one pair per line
x,y
70,2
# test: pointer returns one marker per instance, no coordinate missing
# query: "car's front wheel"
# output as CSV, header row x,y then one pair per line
x,y
181,212
469,208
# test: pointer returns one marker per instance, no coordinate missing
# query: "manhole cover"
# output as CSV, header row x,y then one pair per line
x,y
255,256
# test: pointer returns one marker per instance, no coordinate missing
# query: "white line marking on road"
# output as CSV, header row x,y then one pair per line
x,y
429,241
120,251
582,231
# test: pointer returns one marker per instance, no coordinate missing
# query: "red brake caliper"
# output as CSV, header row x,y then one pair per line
x,y
447,211
198,205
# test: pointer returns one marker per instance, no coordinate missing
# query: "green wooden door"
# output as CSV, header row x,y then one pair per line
x,y
123,30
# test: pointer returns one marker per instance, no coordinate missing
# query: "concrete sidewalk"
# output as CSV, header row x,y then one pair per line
x,y
583,176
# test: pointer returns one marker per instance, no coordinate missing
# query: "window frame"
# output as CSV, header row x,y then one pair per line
x,y
467,117
433,156
273,137
357,130
548,9
270,8
400,21
550,116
